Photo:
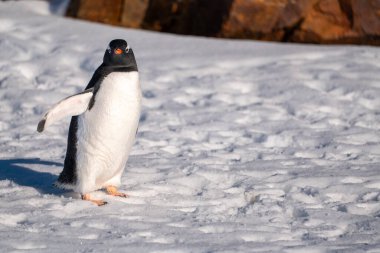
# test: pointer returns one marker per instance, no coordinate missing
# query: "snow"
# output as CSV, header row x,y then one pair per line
x,y
242,147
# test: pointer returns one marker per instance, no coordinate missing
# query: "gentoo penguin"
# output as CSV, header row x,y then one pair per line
x,y
103,126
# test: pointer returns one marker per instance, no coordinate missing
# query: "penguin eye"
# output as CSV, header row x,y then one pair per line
x,y
109,49
127,49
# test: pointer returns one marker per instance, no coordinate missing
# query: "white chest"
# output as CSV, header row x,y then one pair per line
x,y
107,131
117,105
118,89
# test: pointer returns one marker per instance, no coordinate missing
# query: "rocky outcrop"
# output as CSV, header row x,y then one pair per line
x,y
96,10
308,21
129,13
324,21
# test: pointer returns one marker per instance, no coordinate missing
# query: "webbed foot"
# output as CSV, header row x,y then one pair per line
x,y
112,190
98,202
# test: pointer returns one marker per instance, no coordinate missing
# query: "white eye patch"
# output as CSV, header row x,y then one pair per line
x,y
127,49
109,49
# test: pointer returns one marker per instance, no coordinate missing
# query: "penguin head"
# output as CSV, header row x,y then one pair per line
x,y
119,53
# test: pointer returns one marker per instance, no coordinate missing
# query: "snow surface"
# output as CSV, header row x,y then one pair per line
x,y
243,146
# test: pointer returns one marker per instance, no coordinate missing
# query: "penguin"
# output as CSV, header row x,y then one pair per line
x,y
103,126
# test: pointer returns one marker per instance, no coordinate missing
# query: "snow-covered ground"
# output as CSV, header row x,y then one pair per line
x,y
243,146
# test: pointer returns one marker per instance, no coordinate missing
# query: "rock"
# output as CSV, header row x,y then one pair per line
x,y
96,10
254,19
324,22
133,13
308,21
366,16
196,17
305,21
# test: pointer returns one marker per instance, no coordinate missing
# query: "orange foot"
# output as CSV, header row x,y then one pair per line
x,y
112,190
95,201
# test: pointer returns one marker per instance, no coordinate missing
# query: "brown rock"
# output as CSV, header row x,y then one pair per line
x,y
323,23
366,16
133,13
268,20
254,19
96,10
341,21
310,21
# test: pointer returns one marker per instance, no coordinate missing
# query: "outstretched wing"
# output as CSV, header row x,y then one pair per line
x,y
70,106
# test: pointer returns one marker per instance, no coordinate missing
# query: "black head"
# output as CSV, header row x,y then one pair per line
x,y
120,54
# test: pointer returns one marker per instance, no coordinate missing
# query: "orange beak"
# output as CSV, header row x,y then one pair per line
x,y
118,51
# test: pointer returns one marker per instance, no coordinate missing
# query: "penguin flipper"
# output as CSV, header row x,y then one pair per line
x,y
70,106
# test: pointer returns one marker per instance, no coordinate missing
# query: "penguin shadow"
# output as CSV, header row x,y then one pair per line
x,y
17,170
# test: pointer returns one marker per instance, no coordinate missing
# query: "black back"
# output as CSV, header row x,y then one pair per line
x,y
118,57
